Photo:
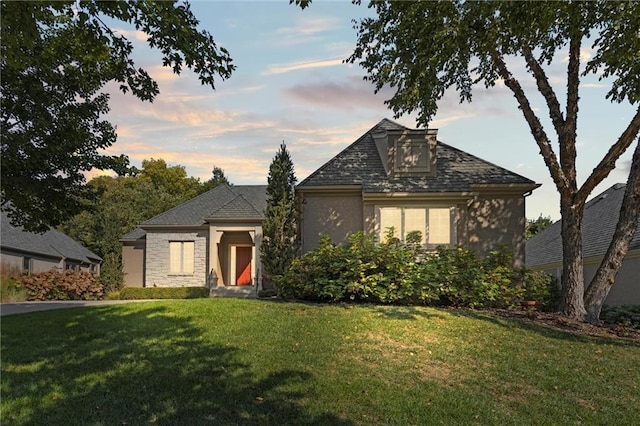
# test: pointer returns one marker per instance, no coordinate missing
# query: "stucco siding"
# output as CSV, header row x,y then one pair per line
x,y
133,255
494,220
157,259
43,265
11,261
335,215
626,290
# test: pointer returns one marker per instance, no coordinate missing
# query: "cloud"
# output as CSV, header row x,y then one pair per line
x,y
308,25
295,66
348,94
132,34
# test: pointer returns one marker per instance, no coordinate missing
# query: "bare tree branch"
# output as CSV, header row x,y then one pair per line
x,y
537,130
545,89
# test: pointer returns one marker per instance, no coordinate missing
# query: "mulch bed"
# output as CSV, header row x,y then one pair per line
x,y
559,322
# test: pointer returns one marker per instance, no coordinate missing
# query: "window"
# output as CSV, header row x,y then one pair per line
x,y
181,257
436,224
412,156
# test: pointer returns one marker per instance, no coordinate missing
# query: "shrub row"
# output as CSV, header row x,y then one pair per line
x,y
363,270
62,285
138,293
628,315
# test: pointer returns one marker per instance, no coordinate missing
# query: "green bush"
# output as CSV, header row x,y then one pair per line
x,y
541,287
65,285
359,271
138,293
11,289
363,270
628,315
266,293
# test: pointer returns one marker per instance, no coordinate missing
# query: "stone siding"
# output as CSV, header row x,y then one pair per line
x,y
157,259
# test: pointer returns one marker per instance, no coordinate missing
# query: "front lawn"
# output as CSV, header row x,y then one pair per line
x,y
231,361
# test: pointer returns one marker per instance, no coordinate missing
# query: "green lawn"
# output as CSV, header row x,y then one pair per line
x,y
230,361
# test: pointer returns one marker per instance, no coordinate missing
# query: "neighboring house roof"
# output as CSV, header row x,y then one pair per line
x,y
136,234
52,243
598,225
222,202
456,170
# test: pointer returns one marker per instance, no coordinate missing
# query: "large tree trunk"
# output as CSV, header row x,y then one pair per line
x,y
572,268
625,229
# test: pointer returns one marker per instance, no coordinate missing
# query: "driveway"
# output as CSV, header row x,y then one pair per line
x,y
26,307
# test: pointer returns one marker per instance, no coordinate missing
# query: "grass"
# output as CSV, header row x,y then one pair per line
x,y
230,361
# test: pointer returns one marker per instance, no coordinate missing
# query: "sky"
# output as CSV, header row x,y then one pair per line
x,y
292,86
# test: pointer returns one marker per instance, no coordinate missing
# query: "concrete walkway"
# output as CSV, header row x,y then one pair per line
x,y
26,307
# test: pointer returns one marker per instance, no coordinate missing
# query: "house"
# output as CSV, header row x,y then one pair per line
x,y
544,250
392,176
35,253
213,239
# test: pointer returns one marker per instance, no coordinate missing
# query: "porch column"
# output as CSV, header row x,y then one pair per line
x,y
214,265
256,236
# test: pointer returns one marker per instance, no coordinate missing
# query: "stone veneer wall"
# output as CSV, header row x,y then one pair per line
x,y
157,262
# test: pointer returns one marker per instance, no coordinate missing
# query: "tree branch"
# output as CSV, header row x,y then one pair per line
x,y
608,162
545,89
537,130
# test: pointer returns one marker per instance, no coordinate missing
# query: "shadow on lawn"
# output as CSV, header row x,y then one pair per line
x,y
111,366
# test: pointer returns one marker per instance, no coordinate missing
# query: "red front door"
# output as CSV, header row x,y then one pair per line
x,y
243,265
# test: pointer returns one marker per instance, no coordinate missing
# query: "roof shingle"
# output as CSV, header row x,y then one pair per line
x,y
221,202
598,225
456,170
52,243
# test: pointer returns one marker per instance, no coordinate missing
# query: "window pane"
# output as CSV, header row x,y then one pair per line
x,y
188,255
415,220
439,226
175,257
390,217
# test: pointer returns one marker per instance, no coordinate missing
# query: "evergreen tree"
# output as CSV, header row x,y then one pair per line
x,y
279,229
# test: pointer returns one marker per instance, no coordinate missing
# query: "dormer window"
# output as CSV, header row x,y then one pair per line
x,y
407,152
411,156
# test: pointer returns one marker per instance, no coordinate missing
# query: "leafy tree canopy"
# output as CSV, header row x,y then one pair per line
x,y
56,57
534,226
217,178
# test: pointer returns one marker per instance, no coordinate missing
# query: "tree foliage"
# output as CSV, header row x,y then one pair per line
x,y
279,230
56,58
535,226
423,49
217,178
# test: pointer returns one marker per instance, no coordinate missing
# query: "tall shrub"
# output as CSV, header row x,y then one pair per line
x,y
279,242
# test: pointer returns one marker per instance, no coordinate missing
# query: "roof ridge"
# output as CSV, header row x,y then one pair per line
x,y
604,194
222,207
328,163
218,188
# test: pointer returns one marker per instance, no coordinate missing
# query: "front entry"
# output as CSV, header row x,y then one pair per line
x,y
243,265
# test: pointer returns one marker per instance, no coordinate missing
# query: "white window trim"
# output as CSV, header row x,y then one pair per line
x,y
453,223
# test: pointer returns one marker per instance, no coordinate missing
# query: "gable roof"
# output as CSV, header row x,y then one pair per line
x,y
51,244
598,225
456,170
221,202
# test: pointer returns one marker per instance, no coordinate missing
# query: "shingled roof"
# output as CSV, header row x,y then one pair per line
x,y
52,243
222,202
598,225
360,164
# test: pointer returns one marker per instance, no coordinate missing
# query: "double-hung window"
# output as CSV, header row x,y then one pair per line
x,y
435,224
181,257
